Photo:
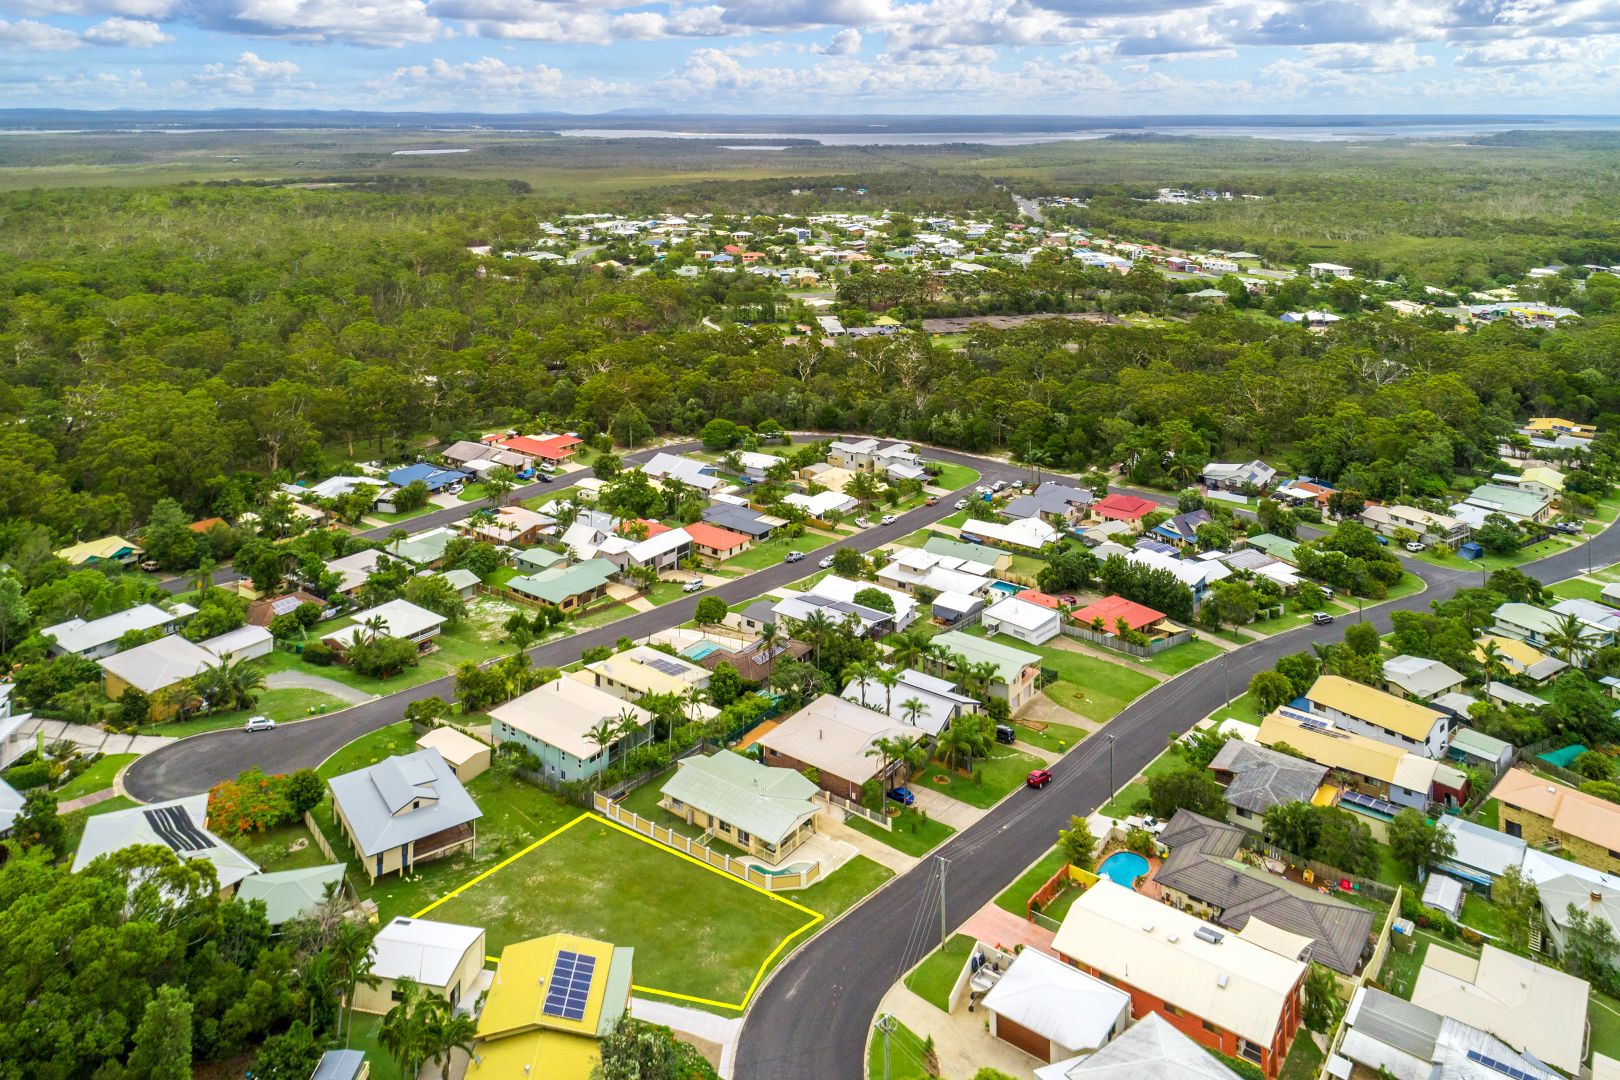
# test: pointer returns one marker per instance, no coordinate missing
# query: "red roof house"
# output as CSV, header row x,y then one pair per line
x,y
1111,609
716,542
1123,508
1035,596
553,448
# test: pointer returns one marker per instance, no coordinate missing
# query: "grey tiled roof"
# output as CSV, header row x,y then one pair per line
x,y
1263,778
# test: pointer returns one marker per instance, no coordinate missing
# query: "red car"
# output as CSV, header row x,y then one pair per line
x,y
1039,778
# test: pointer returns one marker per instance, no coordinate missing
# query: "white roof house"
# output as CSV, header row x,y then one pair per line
x,y
243,643
98,637
1031,623
941,703
1385,1034
843,590
834,735
562,712
822,503
157,664
1527,1005
400,619
181,825
683,469
1209,972
1150,1049
353,570
1077,1013
1030,532
421,949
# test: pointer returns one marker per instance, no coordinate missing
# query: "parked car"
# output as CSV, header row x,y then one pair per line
x,y
903,796
998,485
1382,539
961,504
982,490
793,556
1562,526
1321,618
826,563
1070,600
932,500
1038,778
1019,484
1414,545
863,523
695,585
258,723
150,566
1005,734
888,519
544,478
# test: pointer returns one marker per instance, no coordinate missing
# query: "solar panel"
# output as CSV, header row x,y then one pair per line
x,y
668,667
285,604
176,829
1502,1067
570,985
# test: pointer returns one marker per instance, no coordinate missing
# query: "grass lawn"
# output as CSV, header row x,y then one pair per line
x,y
1175,661
1605,1020
1087,685
1577,589
1411,584
664,592
956,520
1401,968
273,848
905,1056
601,616
1292,619
469,492
1495,562
1057,738
1483,915
912,833
1120,805
644,801
770,552
1304,1061
1016,896
292,703
1026,566
1487,814
367,1039
406,515
952,477
502,576
695,931
1236,637
1390,871
96,778
933,978
993,777
916,539
1243,707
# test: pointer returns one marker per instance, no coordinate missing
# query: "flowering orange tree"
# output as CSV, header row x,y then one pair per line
x,y
253,802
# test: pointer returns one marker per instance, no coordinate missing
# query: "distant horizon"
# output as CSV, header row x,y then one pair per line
x,y
662,114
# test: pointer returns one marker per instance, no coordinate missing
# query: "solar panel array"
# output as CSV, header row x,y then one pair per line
x,y
1369,802
668,667
175,828
285,604
570,985
1502,1067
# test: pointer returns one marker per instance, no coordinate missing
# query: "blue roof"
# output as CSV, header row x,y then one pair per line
x,y
433,476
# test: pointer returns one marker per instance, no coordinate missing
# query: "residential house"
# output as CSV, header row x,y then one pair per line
x,y
294,894
1053,1011
261,611
663,548
181,825
740,519
567,587
843,590
1366,767
561,722
435,478
1539,627
536,560
1275,546
1553,425
1183,528
512,526
1432,527
975,558
1199,575
425,549
1301,491
1364,710
1386,1036
1512,503
99,637
551,449
463,582
852,454
1121,507
1255,778
1246,476
1030,533
1541,480
1533,1008
355,569
466,756
1150,1049
1030,623
395,619
169,661
404,810
1203,875
107,549
642,670
1111,611
1419,678
467,455
1521,658
1220,989
1016,670
1330,270
1055,503
1555,817
753,660
551,999
857,619
714,542
767,812
1475,748
243,643
913,568
939,699
1480,854
444,959
833,737
822,505
11,804
697,474
1597,896
756,465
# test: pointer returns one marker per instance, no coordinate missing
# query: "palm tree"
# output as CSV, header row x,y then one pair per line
x,y
913,755
498,485
814,628
202,578
350,956
404,1030
694,697
912,708
446,1031
859,672
888,680
628,727
240,680
374,627
952,745
908,648
884,749
602,734
1569,640
1492,662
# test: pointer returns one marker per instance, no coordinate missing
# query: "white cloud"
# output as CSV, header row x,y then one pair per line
x,y
31,34
139,9
250,74
130,33
379,23
1368,59
847,42
490,79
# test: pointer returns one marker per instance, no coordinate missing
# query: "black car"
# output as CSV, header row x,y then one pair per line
x,y
1005,734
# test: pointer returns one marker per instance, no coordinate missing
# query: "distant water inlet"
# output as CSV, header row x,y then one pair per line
x,y
424,153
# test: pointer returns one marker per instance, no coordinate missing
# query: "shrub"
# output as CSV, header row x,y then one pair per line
x,y
320,654
32,775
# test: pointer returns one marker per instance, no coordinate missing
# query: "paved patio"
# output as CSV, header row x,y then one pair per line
x,y
995,926
870,846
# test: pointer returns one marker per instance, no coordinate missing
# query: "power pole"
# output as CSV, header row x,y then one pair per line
x,y
943,865
885,1024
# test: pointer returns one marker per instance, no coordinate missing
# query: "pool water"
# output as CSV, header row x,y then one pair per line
x,y
698,650
1123,868
1006,587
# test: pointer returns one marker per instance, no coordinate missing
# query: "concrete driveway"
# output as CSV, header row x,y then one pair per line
x,y
953,812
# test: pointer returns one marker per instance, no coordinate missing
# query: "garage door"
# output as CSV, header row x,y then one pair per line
x,y
1030,1042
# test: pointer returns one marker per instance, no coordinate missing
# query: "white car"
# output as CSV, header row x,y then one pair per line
x,y
1019,484
863,523
888,519
961,504
999,485
259,723
982,490
695,585
825,563
1414,545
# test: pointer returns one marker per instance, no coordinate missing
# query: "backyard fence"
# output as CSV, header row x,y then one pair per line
x,y
1321,872
1111,641
320,837
855,809
1375,964
779,882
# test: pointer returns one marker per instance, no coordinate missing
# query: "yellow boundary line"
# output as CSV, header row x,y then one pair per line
x,y
759,975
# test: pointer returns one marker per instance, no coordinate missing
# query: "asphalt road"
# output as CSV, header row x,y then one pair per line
x,y
197,763
839,977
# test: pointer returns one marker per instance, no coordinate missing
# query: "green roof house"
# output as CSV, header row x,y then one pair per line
x,y
1275,546
765,811
569,587
536,559
1016,669
289,894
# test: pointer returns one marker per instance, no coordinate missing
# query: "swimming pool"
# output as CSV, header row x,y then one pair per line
x,y
1006,587
699,649
1123,868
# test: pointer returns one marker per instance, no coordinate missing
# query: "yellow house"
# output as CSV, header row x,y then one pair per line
x,y
465,755
107,549
1557,425
551,999
443,958
1553,816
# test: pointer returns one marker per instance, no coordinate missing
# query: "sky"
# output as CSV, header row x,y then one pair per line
x,y
805,57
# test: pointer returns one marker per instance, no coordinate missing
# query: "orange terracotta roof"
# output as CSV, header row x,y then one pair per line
x,y
1111,609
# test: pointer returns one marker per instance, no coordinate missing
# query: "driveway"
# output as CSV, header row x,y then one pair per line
x,y
298,680
953,812
93,740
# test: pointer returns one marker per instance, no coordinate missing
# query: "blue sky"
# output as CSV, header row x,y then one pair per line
x,y
1096,57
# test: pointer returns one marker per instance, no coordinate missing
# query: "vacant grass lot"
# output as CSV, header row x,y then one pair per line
x,y
932,979
912,833
993,777
97,777
1088,685
695,931
1016,896
293,703
952,477
1175,661
1577,589
770,552
1058,738
1495,562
